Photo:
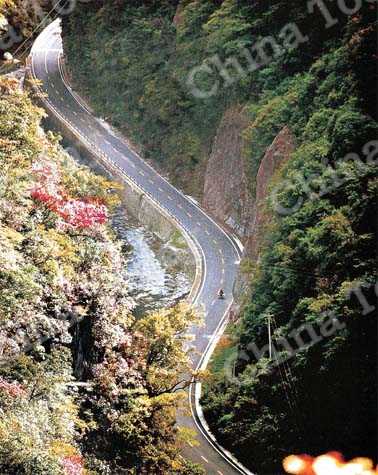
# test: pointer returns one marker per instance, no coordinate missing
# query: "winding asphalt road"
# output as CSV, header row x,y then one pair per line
x,y
218,252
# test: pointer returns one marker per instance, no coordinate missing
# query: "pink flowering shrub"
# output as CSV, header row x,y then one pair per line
x,y
81,214
48,177
12,389
42,195
46,171
73,465
76,214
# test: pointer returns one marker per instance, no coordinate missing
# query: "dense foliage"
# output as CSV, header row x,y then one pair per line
x,y
19,22
136,56
66,318
323,88
146,51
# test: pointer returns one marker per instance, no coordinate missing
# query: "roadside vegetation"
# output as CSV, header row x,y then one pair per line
x,y
319,257
18,22
66,318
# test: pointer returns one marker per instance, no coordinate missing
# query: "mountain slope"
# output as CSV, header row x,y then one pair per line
x,y
317,255
84,386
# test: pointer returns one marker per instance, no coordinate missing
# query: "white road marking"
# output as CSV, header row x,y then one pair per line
x,y
207,232
223,260
209,337
179,206
133,165
199,224
213,302
170,197
190,216
151,181
223,271
220,251
190,444
141,173
47,71
204,458
161,190
219,472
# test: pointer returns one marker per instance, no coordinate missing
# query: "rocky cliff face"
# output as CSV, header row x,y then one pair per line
x,y
226,191
275,157
227,195
178,18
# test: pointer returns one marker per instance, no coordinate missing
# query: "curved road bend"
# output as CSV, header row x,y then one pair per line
x,y
220,255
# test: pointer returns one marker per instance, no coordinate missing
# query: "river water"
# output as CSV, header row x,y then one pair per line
x,y
151,282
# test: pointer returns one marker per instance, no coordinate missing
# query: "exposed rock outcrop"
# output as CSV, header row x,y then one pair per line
x,y
227,193
275,157
178,18
226,190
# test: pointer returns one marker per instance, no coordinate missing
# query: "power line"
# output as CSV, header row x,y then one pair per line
x,y
34,30
286,367
287,378
41,23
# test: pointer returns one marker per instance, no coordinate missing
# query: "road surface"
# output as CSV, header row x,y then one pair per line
x,y
218,251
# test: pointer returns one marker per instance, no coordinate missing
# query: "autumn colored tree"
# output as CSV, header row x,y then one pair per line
x,y
324,90
66,317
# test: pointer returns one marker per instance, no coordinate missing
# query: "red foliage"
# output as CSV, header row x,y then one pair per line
x,y
45,197
12,389
80,214
73,465
77,214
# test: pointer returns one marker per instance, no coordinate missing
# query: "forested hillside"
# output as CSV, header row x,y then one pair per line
x,y
66,317
312,70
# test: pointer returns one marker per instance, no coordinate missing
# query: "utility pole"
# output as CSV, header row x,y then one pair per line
x,y
270,335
